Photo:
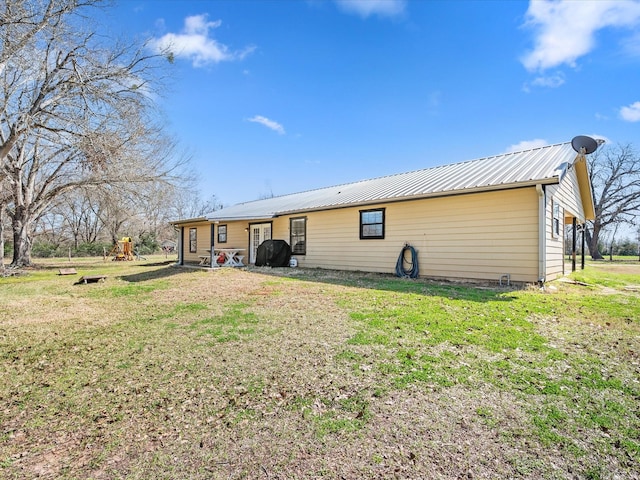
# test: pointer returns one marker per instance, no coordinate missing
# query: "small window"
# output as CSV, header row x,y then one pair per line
x,y
298,235
557,220
193,240
372,224
222,234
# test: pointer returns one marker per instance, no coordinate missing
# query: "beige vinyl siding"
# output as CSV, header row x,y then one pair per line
x,y
237,237
554,244
203,239
476,236
567,194
280,227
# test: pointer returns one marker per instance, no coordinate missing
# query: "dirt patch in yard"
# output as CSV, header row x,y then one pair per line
x,y
294,373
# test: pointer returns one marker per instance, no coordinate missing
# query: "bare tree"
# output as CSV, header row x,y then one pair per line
x,y
4,199
188,203
51,229
615,181
75,113
23,22
154,211
114,215
80,214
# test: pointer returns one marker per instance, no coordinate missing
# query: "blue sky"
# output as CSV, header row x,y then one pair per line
x,y
275,97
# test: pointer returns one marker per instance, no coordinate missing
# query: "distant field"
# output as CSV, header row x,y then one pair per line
x,y
163,373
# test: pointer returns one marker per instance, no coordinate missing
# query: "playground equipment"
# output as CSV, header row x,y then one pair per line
x,y
122,250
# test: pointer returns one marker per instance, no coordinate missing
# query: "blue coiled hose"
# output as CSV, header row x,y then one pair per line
x,y
411,272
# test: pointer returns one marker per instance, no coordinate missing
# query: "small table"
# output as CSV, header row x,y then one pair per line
x,y
230,255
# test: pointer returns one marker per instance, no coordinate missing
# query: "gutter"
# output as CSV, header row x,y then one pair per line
x,y
237,218
177,223
180,245
542,233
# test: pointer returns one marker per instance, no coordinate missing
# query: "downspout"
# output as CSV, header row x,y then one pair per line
x,y
574,239
542,234
180,246
584,226
211,245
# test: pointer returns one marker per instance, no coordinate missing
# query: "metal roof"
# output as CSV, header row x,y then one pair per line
x,y
509,170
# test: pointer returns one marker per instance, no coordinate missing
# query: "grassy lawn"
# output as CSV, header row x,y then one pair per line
x,y
160,372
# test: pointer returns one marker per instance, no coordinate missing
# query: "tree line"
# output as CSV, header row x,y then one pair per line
x,y
88,223
614,172
84,157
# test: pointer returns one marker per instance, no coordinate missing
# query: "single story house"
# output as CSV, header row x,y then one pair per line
x,y
494,218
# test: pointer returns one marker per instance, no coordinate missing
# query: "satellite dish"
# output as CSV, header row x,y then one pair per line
x,y
583,144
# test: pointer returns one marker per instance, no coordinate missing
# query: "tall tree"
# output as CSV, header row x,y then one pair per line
x,y
80,217
189,203
615,181
24,21
76,113
4,200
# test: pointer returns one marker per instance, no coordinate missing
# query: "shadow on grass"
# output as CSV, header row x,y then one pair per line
x,y
92,264
169,270
387,282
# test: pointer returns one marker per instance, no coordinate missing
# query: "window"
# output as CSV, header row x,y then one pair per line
x,y
371,224
193,240
222,234
298,235
557,220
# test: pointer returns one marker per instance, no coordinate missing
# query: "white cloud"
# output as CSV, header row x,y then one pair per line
x,y
527,145
545,81
273,125
550,81
632,45
602,138
365,8
195,44
631,113
565,29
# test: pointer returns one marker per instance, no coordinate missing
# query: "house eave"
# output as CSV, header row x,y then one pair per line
x,y
584,184
241,218
188,220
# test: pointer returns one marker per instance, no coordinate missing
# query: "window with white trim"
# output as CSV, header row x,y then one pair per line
x,y
556,226
193,240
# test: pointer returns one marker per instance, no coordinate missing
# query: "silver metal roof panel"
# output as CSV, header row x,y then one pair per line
x,y
539,165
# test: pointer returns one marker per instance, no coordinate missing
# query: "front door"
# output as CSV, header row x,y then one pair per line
x,y
259,233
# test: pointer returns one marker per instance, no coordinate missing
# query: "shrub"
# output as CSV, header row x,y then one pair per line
x,y
46,250
147,244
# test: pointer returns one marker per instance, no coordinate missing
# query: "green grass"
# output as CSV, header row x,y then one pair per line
x,y
234,324
608,274
490,337
161,373
605,279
